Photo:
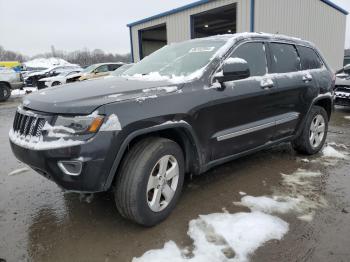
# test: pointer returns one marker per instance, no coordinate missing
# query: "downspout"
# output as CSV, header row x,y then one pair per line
x,y
131,45
252,15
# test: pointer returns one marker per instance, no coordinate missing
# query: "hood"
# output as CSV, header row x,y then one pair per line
x,y
85,97
75,75
36,73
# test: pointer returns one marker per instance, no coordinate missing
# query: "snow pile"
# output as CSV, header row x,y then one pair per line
x,y
347,117
18,171
299,195
25,91
112,124
275,204
222,237
47,62
330,152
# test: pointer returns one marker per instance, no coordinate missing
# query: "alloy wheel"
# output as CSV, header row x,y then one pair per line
x,y
162,183
317,130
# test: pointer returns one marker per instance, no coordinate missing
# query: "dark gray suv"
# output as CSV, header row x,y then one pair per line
x,y
184,109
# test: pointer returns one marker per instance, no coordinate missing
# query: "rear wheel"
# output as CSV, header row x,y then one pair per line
x,y
314,134
56,83
5,92
150,181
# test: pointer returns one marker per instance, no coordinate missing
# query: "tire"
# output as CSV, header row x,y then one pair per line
x,y
138,181
56,83
307,143
5,92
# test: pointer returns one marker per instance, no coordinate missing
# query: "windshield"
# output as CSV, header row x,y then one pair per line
x,y
89,69
180,59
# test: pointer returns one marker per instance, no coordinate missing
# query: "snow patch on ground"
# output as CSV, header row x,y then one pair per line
x,y
222,237
298,195
347,117
331,152
18,171
112,124
25,91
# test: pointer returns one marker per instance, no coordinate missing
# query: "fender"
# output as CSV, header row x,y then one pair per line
x,y
328,96
131,136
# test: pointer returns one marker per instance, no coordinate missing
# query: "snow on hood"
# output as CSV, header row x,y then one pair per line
x,y
47,62
84,97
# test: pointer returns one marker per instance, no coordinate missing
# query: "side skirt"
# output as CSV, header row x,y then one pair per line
x,y
226,159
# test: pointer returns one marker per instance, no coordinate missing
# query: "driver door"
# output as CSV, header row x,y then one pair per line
x,y
243,119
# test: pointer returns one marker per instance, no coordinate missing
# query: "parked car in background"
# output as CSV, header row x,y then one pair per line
x,y
223,97
56,80
32,79
342,86
121,70
95,71
9,80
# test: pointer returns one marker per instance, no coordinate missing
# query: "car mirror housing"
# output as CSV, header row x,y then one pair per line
x,y
233,69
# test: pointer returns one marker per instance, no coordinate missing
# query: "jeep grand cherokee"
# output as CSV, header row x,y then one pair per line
x,y
184,109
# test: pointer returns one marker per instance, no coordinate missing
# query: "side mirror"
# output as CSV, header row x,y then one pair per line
x,y
233,69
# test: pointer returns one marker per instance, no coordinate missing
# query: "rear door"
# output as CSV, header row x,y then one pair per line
x,y
244,118
294,90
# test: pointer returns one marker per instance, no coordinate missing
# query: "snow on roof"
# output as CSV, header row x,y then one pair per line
x,y
47,62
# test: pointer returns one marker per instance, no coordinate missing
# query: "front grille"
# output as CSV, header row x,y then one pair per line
x,y
28,124
343,89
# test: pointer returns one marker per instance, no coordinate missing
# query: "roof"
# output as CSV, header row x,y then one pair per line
x,y
201,2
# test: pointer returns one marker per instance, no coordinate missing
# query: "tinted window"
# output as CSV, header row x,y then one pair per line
x,y
309,59
113,67
284,58
254,54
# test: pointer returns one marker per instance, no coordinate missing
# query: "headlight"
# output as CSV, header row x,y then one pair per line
x,y
78,125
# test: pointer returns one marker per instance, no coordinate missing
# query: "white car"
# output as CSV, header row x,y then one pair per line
x,y
56,80
9,80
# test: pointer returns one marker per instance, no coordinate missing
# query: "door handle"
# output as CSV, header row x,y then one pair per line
x,y
307,78
266,83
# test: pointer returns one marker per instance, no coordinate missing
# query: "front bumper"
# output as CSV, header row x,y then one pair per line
x,y
94,156
17,85
342,99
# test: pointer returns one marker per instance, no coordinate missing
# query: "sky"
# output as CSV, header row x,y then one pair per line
x,y
33,26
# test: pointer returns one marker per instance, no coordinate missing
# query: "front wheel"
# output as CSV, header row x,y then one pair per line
x,y
314,134
5,92
150,180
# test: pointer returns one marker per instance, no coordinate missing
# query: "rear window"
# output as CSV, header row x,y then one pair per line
x,y
254,54
284,58
309,58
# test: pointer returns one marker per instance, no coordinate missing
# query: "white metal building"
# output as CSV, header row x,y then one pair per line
x,y
319,21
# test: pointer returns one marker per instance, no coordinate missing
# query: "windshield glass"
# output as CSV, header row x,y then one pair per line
x,y
180,59
89,69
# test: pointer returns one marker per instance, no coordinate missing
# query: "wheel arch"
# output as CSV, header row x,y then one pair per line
x,y
6,83
181,132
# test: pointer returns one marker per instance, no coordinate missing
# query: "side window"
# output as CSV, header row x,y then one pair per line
x,y
284,58
309,58
102,69
113,67
254,54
